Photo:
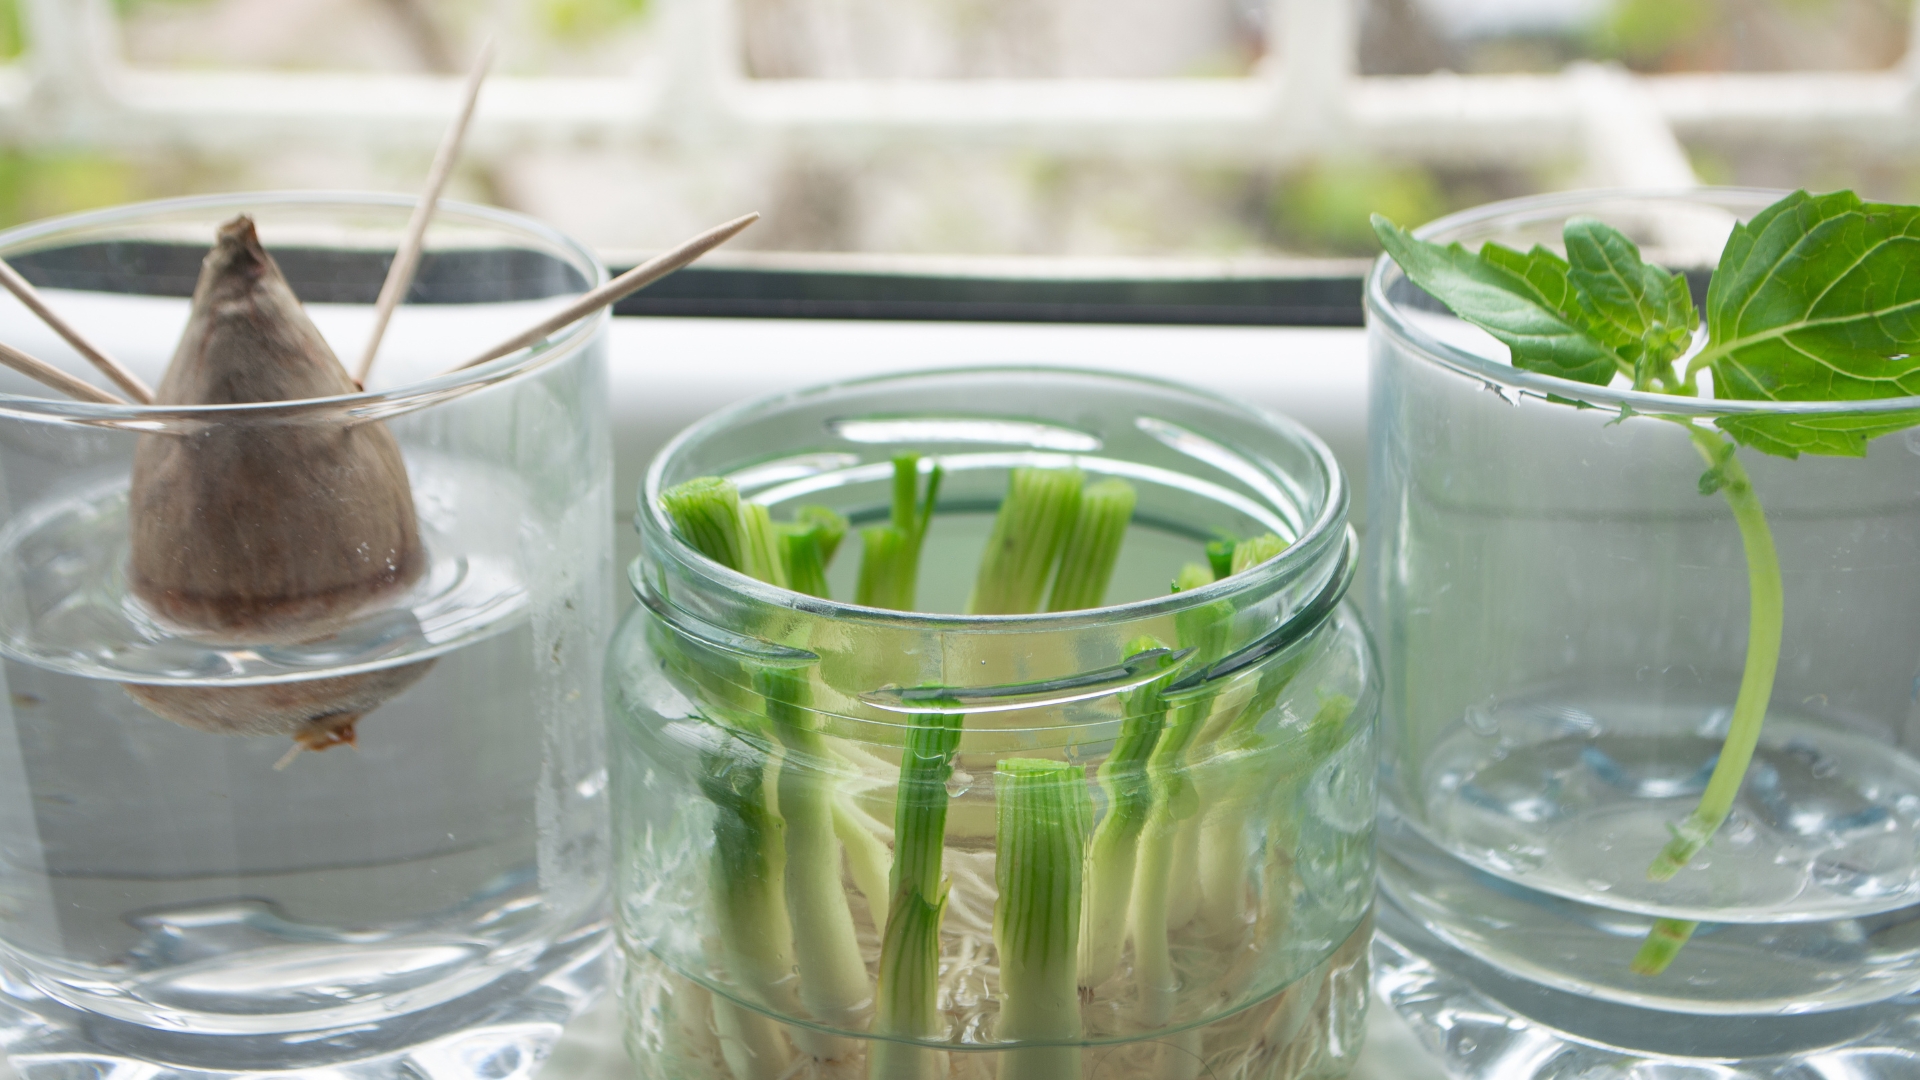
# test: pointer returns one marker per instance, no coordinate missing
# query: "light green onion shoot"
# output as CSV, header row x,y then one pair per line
x,y
890,556
706,514
908,1000
749,900
1093,546
810,542
1110,863
833,975
1042,812
1028,534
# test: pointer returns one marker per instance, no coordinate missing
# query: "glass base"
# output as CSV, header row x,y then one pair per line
x,y
1481,1023
1312,1029
503,1031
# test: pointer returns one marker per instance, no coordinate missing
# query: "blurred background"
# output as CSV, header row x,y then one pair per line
x,y
1203,129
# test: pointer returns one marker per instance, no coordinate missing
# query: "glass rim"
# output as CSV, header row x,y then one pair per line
x,y
1386,316
360,405
1326,536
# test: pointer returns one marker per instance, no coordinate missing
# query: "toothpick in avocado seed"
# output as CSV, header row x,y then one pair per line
x,y
406,261
24,291
632,281
40,371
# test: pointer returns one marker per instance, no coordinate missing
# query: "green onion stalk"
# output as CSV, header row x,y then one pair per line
x,y
1092,546
908,1001
869,860
890,555
749,903
1242,775
791,849
1237,776
1174,800
833,974
1042,813
1029,533
810,542
1115,849
1157,900
783,820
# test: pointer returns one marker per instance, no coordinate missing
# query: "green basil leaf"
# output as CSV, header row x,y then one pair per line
x,y
1645,313
1524,301
1815,299
1833,434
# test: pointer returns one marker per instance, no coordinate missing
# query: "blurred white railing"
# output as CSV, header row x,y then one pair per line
x,y
72,88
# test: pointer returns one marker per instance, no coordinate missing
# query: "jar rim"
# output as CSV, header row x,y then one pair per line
x,y
1328,528
1388,317
359,406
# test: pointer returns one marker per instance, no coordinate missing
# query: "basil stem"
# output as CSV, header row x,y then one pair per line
x,y
1765,622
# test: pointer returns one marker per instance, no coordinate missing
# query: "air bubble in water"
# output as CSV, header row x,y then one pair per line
x,y
959,783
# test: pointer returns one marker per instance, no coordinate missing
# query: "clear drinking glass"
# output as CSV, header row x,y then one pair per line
x,y
760,737
430,904
1563,606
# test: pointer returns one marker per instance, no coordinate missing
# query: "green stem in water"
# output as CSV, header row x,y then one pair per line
x,y
709,515
1248,554
908,1001
1042,812
706,514
750,910
1766,617
1174,800
869,860
1028,534
888,569
890,553
833,975
809,543
1156,903
749,870
1093,546
763,552
1115,849
1220,556
1243,780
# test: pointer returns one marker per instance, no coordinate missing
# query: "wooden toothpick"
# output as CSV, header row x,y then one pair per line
x,y
633,280
407,260
36,368
30,296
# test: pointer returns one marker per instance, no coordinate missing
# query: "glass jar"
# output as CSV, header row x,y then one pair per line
x,y
176,886
1564,608
1234,940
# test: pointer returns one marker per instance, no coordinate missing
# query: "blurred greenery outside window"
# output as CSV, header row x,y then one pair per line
x,y
10,43
952,199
